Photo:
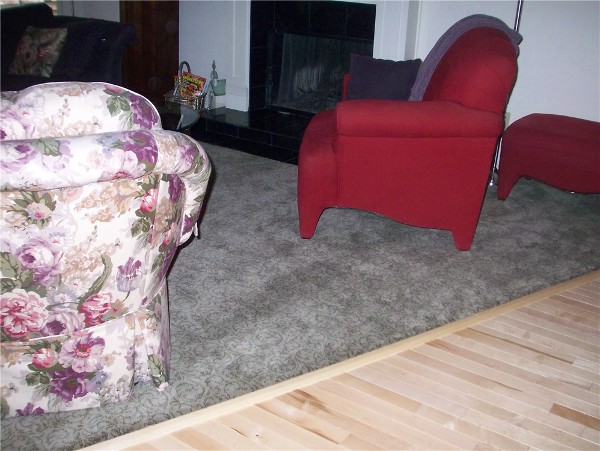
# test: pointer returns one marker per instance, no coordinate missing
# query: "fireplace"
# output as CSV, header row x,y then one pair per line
x,y
299,53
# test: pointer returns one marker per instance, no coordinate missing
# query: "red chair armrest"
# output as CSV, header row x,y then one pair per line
x,y
396,118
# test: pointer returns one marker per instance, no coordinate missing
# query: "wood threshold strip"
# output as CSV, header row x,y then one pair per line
x,y
494,382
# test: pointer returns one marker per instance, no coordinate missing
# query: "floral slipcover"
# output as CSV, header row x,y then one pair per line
x,y
96,198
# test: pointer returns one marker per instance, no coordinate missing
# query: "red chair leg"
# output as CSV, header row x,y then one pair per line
x,y
506,181
463,238
309,217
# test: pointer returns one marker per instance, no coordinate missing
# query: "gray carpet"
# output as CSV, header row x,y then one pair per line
x,y
253,304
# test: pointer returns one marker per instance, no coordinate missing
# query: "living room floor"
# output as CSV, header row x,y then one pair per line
x,y
266,133
522,375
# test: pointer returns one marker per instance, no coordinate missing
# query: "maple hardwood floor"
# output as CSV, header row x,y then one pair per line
x,y
521,376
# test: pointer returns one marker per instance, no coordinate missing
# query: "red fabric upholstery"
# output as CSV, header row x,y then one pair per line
x,y
561,151
421,163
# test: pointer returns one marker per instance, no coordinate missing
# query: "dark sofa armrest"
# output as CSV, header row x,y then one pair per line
x,y
94,49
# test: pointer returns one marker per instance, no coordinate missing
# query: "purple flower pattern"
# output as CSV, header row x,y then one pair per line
x,y
43,258
69,384
85,319
129,275
29,410
143,114
82,353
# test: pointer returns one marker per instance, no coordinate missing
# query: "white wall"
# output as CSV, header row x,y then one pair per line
x,y
559,63
96,9
219,31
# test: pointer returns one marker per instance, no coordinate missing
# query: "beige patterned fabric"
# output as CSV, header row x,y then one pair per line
x,y
96,198
38,51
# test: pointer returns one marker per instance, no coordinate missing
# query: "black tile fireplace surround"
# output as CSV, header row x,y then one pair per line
x,y
267,130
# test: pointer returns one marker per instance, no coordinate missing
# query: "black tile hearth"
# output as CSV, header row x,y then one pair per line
x,y
266,133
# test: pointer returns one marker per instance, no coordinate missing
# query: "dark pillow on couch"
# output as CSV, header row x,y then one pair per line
x,y
372,78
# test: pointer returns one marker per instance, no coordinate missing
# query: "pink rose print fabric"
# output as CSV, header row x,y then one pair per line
x,y
96,198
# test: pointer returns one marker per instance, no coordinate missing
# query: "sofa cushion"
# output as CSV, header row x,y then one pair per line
x,y
38,51
372,78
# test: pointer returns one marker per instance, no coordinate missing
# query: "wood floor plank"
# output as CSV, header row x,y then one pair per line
x,y
578,297
570,440
577,306
577,416
531,317
576,329
588,321
430,357
426,429
228,436
302,419
313,406
428,415
288,429
587,365
475,397
502,374
377,420
539,339
358,444
198,440
256,432
519,367
440,413
141,447
589,290
583,295
525,352
592,435
169,443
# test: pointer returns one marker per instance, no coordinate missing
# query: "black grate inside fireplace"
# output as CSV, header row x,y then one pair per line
x,y
311,71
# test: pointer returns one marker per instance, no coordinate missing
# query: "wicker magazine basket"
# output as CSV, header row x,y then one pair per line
x,y
175,96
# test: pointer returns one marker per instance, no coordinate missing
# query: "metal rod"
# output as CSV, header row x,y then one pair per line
x,y
518,16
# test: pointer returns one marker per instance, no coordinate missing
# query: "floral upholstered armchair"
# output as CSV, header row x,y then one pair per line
x,y
96,198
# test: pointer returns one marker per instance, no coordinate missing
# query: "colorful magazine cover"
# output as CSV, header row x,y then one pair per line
x,y
190,84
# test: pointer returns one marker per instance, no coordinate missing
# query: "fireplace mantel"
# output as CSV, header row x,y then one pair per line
x,y
395,39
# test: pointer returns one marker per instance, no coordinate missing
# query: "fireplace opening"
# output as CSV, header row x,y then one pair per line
x,y
300,52
311,71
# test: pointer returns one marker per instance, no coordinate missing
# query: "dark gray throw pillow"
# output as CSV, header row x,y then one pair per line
x,y
372,78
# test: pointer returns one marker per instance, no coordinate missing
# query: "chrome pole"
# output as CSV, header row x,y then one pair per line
x,y
496,162
518,16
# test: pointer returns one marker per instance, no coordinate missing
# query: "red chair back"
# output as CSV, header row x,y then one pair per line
x,y
477,71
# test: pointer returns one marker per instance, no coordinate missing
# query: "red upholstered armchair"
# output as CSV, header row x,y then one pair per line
x,y
424,163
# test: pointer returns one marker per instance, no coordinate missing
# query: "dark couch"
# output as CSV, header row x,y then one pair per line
x,y
93,49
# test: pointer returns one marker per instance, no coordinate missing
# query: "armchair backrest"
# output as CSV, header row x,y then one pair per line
x,y
96,197
477,71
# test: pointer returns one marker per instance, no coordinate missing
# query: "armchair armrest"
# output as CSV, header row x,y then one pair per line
x,y
404,119
73,109
70,162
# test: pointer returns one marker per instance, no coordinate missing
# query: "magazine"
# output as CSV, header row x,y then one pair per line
x,y
190,84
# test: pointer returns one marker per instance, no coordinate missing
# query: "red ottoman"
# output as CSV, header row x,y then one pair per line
x,y
563,152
